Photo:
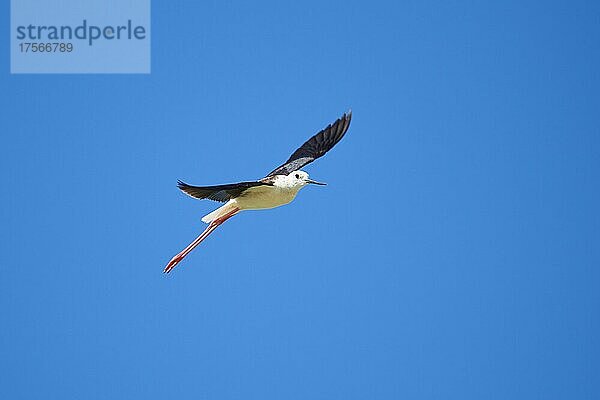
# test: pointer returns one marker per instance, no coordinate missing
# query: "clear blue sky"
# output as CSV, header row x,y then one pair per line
x,y
454,255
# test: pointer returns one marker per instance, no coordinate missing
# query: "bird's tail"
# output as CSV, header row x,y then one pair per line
x,y
219,212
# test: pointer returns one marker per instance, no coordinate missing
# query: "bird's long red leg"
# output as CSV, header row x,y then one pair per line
x,y
209,229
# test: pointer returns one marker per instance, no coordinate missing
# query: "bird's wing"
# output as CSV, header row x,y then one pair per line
x,y
316,146
222,193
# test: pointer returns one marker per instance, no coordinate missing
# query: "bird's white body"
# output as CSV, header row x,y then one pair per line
x,y
264,197
283,191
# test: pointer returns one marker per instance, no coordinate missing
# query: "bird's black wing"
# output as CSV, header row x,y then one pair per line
x,y
220,193
316,146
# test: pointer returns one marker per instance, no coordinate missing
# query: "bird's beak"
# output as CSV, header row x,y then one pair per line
x,y
315,182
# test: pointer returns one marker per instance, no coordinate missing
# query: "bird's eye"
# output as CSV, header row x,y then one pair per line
x,y
297,176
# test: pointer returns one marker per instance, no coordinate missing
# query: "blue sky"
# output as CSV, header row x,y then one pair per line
x,y
453,255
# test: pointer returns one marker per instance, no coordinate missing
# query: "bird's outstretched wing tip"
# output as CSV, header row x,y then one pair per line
x,y
346,118
316,146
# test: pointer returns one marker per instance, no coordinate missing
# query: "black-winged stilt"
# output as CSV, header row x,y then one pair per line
x,y
279,187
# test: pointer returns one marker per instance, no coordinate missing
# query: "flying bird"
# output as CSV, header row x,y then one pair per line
x,y
276,189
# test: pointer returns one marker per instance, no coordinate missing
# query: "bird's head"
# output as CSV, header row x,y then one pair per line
x,y
300,178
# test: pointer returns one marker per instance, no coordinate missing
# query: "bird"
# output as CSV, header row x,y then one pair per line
x,y
277,188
